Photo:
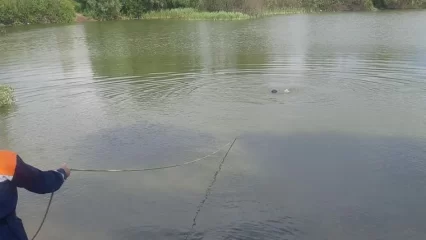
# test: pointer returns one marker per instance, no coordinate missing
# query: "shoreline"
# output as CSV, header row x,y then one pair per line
x,y
194,14
189,14
227,16
80,18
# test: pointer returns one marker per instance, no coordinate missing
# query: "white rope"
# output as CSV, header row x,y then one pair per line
x,y
152,168
131,170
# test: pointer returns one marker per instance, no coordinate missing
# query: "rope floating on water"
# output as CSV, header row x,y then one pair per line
x,y
132,170
45,216
208,191
150,169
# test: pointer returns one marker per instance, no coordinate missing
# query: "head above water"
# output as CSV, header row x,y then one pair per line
x,y
274,91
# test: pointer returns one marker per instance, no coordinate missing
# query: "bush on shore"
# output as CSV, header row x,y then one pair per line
x,y
36,11
6,96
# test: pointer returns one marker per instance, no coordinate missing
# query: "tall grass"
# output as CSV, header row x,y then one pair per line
x,y
36,11
285,11
6,95
193,14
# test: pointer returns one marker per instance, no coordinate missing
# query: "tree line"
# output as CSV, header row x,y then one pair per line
x,y
36,11
113,9
53,11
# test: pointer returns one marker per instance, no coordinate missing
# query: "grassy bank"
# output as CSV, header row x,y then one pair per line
x,y
194,14
6,96
286,11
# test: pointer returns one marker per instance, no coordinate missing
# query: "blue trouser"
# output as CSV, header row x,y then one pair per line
x,y
11,228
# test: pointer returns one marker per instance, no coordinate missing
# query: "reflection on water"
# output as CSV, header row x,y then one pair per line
x,y
341,156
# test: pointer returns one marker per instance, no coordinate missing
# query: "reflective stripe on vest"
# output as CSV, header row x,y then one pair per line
x,y
7,165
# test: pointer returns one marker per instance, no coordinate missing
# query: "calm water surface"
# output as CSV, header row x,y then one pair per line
x,y
341,156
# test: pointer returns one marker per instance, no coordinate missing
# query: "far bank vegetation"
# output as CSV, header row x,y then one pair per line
x,y
115,9
63,11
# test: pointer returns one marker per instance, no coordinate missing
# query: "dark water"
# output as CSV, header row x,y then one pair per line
x,y
342,155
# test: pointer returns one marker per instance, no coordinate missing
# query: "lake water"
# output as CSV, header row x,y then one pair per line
x,y
340,155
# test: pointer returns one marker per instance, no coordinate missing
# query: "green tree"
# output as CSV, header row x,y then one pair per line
x,y
36,11
102,9
134,8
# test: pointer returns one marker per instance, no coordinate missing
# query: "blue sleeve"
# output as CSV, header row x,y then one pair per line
x,y
35,180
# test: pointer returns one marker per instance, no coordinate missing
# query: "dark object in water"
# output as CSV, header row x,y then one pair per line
x,y
274,91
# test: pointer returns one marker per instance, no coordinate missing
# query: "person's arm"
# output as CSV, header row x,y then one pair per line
x,y
33,179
